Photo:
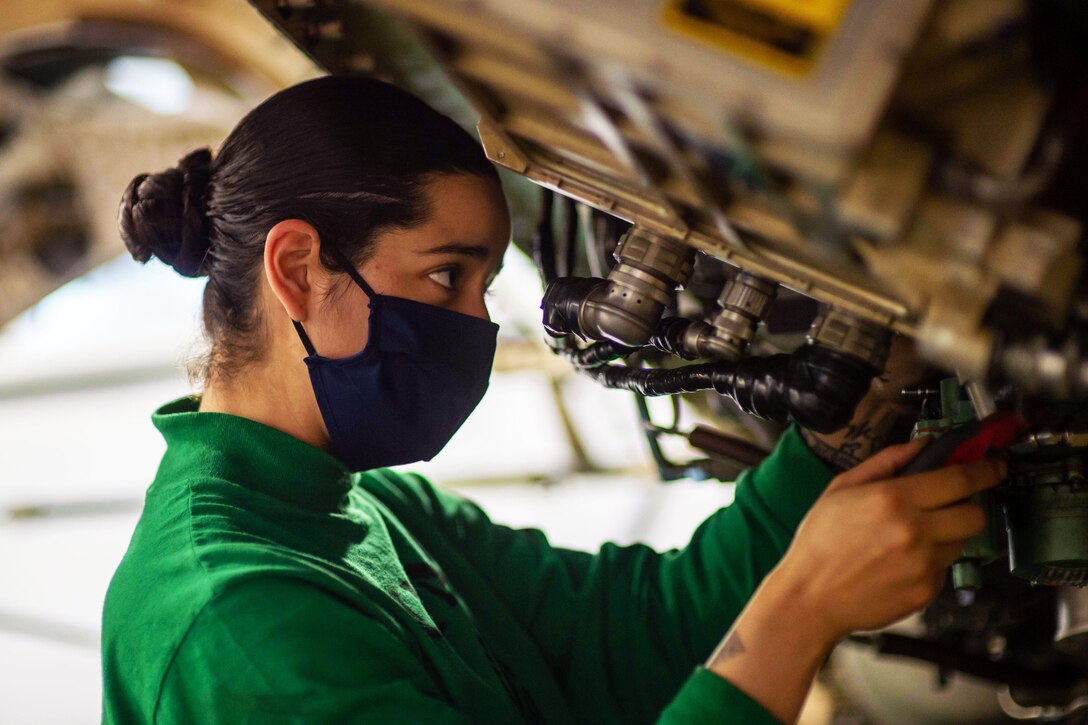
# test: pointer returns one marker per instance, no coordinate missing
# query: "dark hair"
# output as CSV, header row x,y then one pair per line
x,y
348,155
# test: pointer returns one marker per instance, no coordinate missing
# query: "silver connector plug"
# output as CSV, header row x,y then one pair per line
x,y
649,268
847,333
744,301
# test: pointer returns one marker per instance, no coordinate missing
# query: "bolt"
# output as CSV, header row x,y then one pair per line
x,y
965,597
919,392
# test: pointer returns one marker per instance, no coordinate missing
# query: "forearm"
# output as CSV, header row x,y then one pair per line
x,y
876,423
774,649
883,417
779,641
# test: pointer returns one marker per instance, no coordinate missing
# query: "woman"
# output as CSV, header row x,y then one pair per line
x,y
349,233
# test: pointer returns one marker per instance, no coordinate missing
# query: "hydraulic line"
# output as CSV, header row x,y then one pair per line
x,y
570,238
815,387
626,306
598,354
544,240
669,338
940,654
565,307
681,337
667,470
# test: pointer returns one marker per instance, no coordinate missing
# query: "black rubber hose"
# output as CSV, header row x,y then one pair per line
x,y
667,470
940,654
562,302
815,387
598,354
544,240
656,381
570,237
669,337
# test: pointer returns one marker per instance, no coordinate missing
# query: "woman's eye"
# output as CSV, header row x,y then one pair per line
x,y
445,277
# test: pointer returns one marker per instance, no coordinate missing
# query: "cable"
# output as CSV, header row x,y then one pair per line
x,y
940,654
597,354
815,387
592,230
544,240
670,334
570,237
563,301
668,338
667,470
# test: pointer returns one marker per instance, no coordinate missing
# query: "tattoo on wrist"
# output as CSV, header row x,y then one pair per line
x,y
730,648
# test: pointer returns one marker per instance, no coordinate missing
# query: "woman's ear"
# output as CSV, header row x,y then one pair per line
x,y
292,251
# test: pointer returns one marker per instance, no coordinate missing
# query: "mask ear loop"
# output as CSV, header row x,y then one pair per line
x,y
357,278
305,339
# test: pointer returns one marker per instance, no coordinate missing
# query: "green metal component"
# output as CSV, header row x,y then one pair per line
x,y
955,410
963,411
955,404
967,574
980,549
951,393
1048,533
931,427
985,546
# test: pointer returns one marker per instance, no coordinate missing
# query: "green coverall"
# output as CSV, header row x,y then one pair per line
x,y
265,583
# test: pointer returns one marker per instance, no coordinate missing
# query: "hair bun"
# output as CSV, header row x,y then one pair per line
x,y
164,215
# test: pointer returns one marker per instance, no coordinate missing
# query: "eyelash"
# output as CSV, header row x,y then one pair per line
x,y
454,273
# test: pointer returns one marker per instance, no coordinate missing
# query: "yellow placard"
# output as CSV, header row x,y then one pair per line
x,y
818,14
784,35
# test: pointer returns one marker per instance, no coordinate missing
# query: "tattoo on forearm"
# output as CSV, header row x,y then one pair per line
x,y
862,438
839,459
730,648
870,433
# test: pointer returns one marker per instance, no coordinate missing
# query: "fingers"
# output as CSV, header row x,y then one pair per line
x,y
882,465
953,523
944,555
936,489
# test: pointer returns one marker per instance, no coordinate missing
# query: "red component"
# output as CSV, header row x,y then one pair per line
x,y
998,431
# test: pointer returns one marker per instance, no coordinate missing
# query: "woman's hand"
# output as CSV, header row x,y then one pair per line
x,y
873,549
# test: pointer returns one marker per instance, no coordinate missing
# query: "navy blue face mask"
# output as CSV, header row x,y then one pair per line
x,y
423,371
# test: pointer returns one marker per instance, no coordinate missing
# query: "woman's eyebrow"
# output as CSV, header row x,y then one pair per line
x,y
469,250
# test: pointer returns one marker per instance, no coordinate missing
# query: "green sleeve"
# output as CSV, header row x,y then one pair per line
x,y
308,658
622,629
708,698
